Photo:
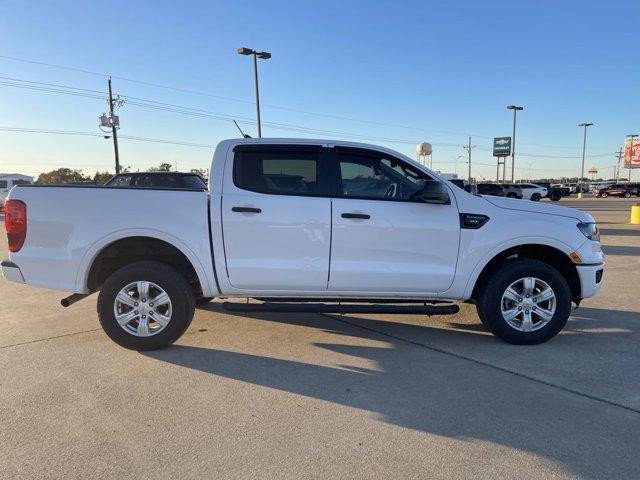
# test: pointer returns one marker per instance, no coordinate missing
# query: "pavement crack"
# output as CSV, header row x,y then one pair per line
x,y
48,338
487,364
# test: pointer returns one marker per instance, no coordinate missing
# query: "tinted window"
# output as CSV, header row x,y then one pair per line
x,y
3,184
21,182
119,181
370,175
286,172
193,181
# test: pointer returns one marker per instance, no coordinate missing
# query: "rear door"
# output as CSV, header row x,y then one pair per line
x,y
276,219
382,239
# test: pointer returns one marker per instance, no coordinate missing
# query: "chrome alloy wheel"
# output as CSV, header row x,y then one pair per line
x,y
142,309
528,304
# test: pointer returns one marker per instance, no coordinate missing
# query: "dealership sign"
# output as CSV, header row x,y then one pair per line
x,y
502,146
631,154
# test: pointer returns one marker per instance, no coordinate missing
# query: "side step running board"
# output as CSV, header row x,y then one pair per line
x,y
338,308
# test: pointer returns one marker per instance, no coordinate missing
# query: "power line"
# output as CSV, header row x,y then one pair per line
x,y
289,109
202,113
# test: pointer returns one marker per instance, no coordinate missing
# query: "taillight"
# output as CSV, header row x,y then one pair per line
x,y
15,223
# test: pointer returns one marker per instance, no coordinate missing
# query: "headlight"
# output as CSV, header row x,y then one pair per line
x,y
590,230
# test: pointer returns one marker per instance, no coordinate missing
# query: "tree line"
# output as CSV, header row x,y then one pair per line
x,y
77,176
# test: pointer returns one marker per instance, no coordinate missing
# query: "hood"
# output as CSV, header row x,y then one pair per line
x,y
539,207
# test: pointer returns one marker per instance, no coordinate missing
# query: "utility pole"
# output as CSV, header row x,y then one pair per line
x,y
616,172
468,148
114,132
631,138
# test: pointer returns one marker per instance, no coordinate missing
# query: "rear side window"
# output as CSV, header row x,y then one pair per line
x,y
286,172
155,180
21,182
3,184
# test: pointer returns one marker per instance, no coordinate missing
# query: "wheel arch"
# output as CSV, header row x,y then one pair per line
x,y
551,255
135,245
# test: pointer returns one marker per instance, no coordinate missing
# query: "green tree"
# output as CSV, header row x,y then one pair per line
x,y
102,177
61,176
163,167
200,171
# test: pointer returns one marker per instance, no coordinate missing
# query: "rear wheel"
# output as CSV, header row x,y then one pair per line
x,y
604,194
525,302
536,197
555,196
627,194
145,305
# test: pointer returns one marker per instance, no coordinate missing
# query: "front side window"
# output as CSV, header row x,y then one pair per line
x,y
377,176
286,172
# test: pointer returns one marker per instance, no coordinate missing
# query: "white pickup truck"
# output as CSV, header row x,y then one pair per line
x,y
304,225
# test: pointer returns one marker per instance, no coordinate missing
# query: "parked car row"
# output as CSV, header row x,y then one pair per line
x,y
526,191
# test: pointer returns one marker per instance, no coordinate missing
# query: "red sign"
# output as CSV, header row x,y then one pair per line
x,y
631,155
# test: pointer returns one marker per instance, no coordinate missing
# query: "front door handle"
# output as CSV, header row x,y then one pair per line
x,y
246,209
362,216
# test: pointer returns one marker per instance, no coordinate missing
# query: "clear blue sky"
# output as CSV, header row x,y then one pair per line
x,y
444,69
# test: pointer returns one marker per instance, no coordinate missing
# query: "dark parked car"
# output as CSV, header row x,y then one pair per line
x,y
617,190
185,181
491,189
555,193
458,182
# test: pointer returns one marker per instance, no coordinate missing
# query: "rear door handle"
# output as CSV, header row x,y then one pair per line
x,y
246,209
362,216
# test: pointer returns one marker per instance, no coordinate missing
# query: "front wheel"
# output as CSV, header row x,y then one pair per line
x,y
145,305
525,302
536,197
555,196
604,194
627,194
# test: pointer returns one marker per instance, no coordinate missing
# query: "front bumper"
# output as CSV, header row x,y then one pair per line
x,y
590,279
11,271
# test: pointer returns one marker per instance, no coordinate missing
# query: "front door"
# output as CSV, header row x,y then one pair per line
x,y
276,223
383,239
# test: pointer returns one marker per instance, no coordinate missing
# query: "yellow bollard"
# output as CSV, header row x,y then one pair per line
x,y
635,214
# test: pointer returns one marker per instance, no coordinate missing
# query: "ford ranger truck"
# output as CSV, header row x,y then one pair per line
x,y
303,226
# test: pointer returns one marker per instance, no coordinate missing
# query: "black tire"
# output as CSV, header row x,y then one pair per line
x,y
171,281
536,197
604,194
627,194
489,301
555,196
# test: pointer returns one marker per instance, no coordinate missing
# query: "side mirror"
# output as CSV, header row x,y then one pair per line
x,y
435,192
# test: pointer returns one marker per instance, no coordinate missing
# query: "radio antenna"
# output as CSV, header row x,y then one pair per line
x,y
244,135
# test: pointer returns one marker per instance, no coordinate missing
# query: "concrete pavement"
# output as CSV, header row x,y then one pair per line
x,y
311,396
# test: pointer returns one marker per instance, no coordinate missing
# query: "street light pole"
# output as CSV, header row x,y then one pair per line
x,y
515,109
255,54
584,146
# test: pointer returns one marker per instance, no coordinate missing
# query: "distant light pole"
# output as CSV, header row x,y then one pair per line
x,y
256,55
631,137
584,146
515,109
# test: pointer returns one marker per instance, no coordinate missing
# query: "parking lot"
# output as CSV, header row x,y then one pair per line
x,y
328,396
